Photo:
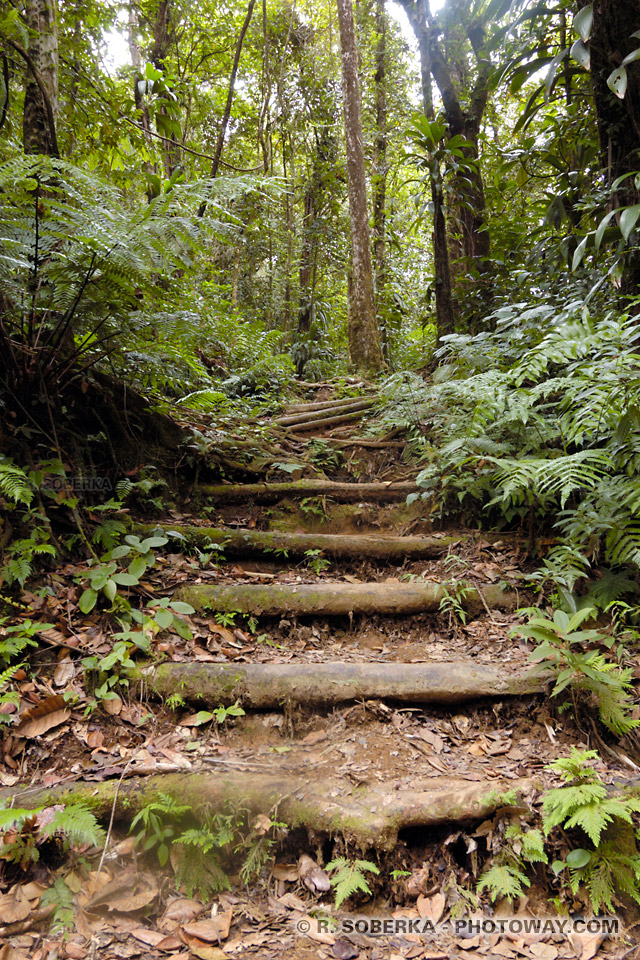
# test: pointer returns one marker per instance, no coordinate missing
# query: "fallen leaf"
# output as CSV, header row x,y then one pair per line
x,y
7,952
316,736
212,930
586,945
126,894
14,906
74,951
432,908
151,937
180,911
204,951
285,871
49,713
309,927
344,950
543,951
113,706
64,672
313,876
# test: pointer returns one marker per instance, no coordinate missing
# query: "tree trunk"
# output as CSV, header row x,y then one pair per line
x,y
380,177
445,312
344,492
224,123
618,119
364,336
159,52
41,87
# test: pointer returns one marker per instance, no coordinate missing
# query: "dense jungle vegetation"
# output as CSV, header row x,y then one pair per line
x,y
209,208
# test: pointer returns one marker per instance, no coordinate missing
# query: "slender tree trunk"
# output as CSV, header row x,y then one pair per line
x,y
141,107
614,22
159,53
380,178
227,109
364,336
445,314
41,87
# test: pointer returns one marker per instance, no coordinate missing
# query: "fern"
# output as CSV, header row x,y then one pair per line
x,y
504,880
349,877
14,483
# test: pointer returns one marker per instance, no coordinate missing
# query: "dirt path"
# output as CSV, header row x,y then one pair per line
x,y
407,735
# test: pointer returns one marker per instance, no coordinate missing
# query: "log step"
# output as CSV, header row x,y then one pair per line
x,y
328,410
296,408
242,543
371,815
344,492
328,598
334,421
270,685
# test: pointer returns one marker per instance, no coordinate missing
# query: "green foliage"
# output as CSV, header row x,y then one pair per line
x,y
562,650
158,825
504,880
24,831
316,561
349,877
15,638
60,897
612,864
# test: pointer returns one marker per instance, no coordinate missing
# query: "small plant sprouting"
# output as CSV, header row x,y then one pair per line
x,y
562,651
316,561
349,877
220,714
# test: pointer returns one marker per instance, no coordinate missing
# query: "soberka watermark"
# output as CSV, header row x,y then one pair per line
x,y
77,485
468,927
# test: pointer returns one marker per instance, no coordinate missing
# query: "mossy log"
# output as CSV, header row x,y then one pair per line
x,y
344,492
370,815
328,598
269,685
333,421
242,543
320,405
324,411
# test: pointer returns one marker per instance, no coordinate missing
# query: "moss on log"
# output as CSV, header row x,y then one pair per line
x,y
345,492
328,598
323,413
270,685
240,543
370,815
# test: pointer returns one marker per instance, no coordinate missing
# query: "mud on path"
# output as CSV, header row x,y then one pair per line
x,y
423,782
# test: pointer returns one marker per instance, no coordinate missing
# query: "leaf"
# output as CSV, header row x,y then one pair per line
x,y
179,606
628,219
125,579
212,930
137,568
602,226
49,713
88,600
164,618
14,906
579,253
583,22
581,54
617,82
631,57
578,858
551,73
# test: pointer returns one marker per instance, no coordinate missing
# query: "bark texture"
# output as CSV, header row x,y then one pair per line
x,y
370,816
243,543
266,686
41,87
331,599
345,492
618,119
364,336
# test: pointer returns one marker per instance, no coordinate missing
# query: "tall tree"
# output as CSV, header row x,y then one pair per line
x,y
364,335
381,170
41,88
417,12
618,106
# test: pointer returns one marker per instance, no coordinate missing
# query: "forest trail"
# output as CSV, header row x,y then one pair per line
x,y
387,710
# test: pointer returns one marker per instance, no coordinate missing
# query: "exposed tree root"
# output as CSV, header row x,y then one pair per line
x,y
369,815
320,405
323,411
241,543
307,425
270,685
345,492
340,599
